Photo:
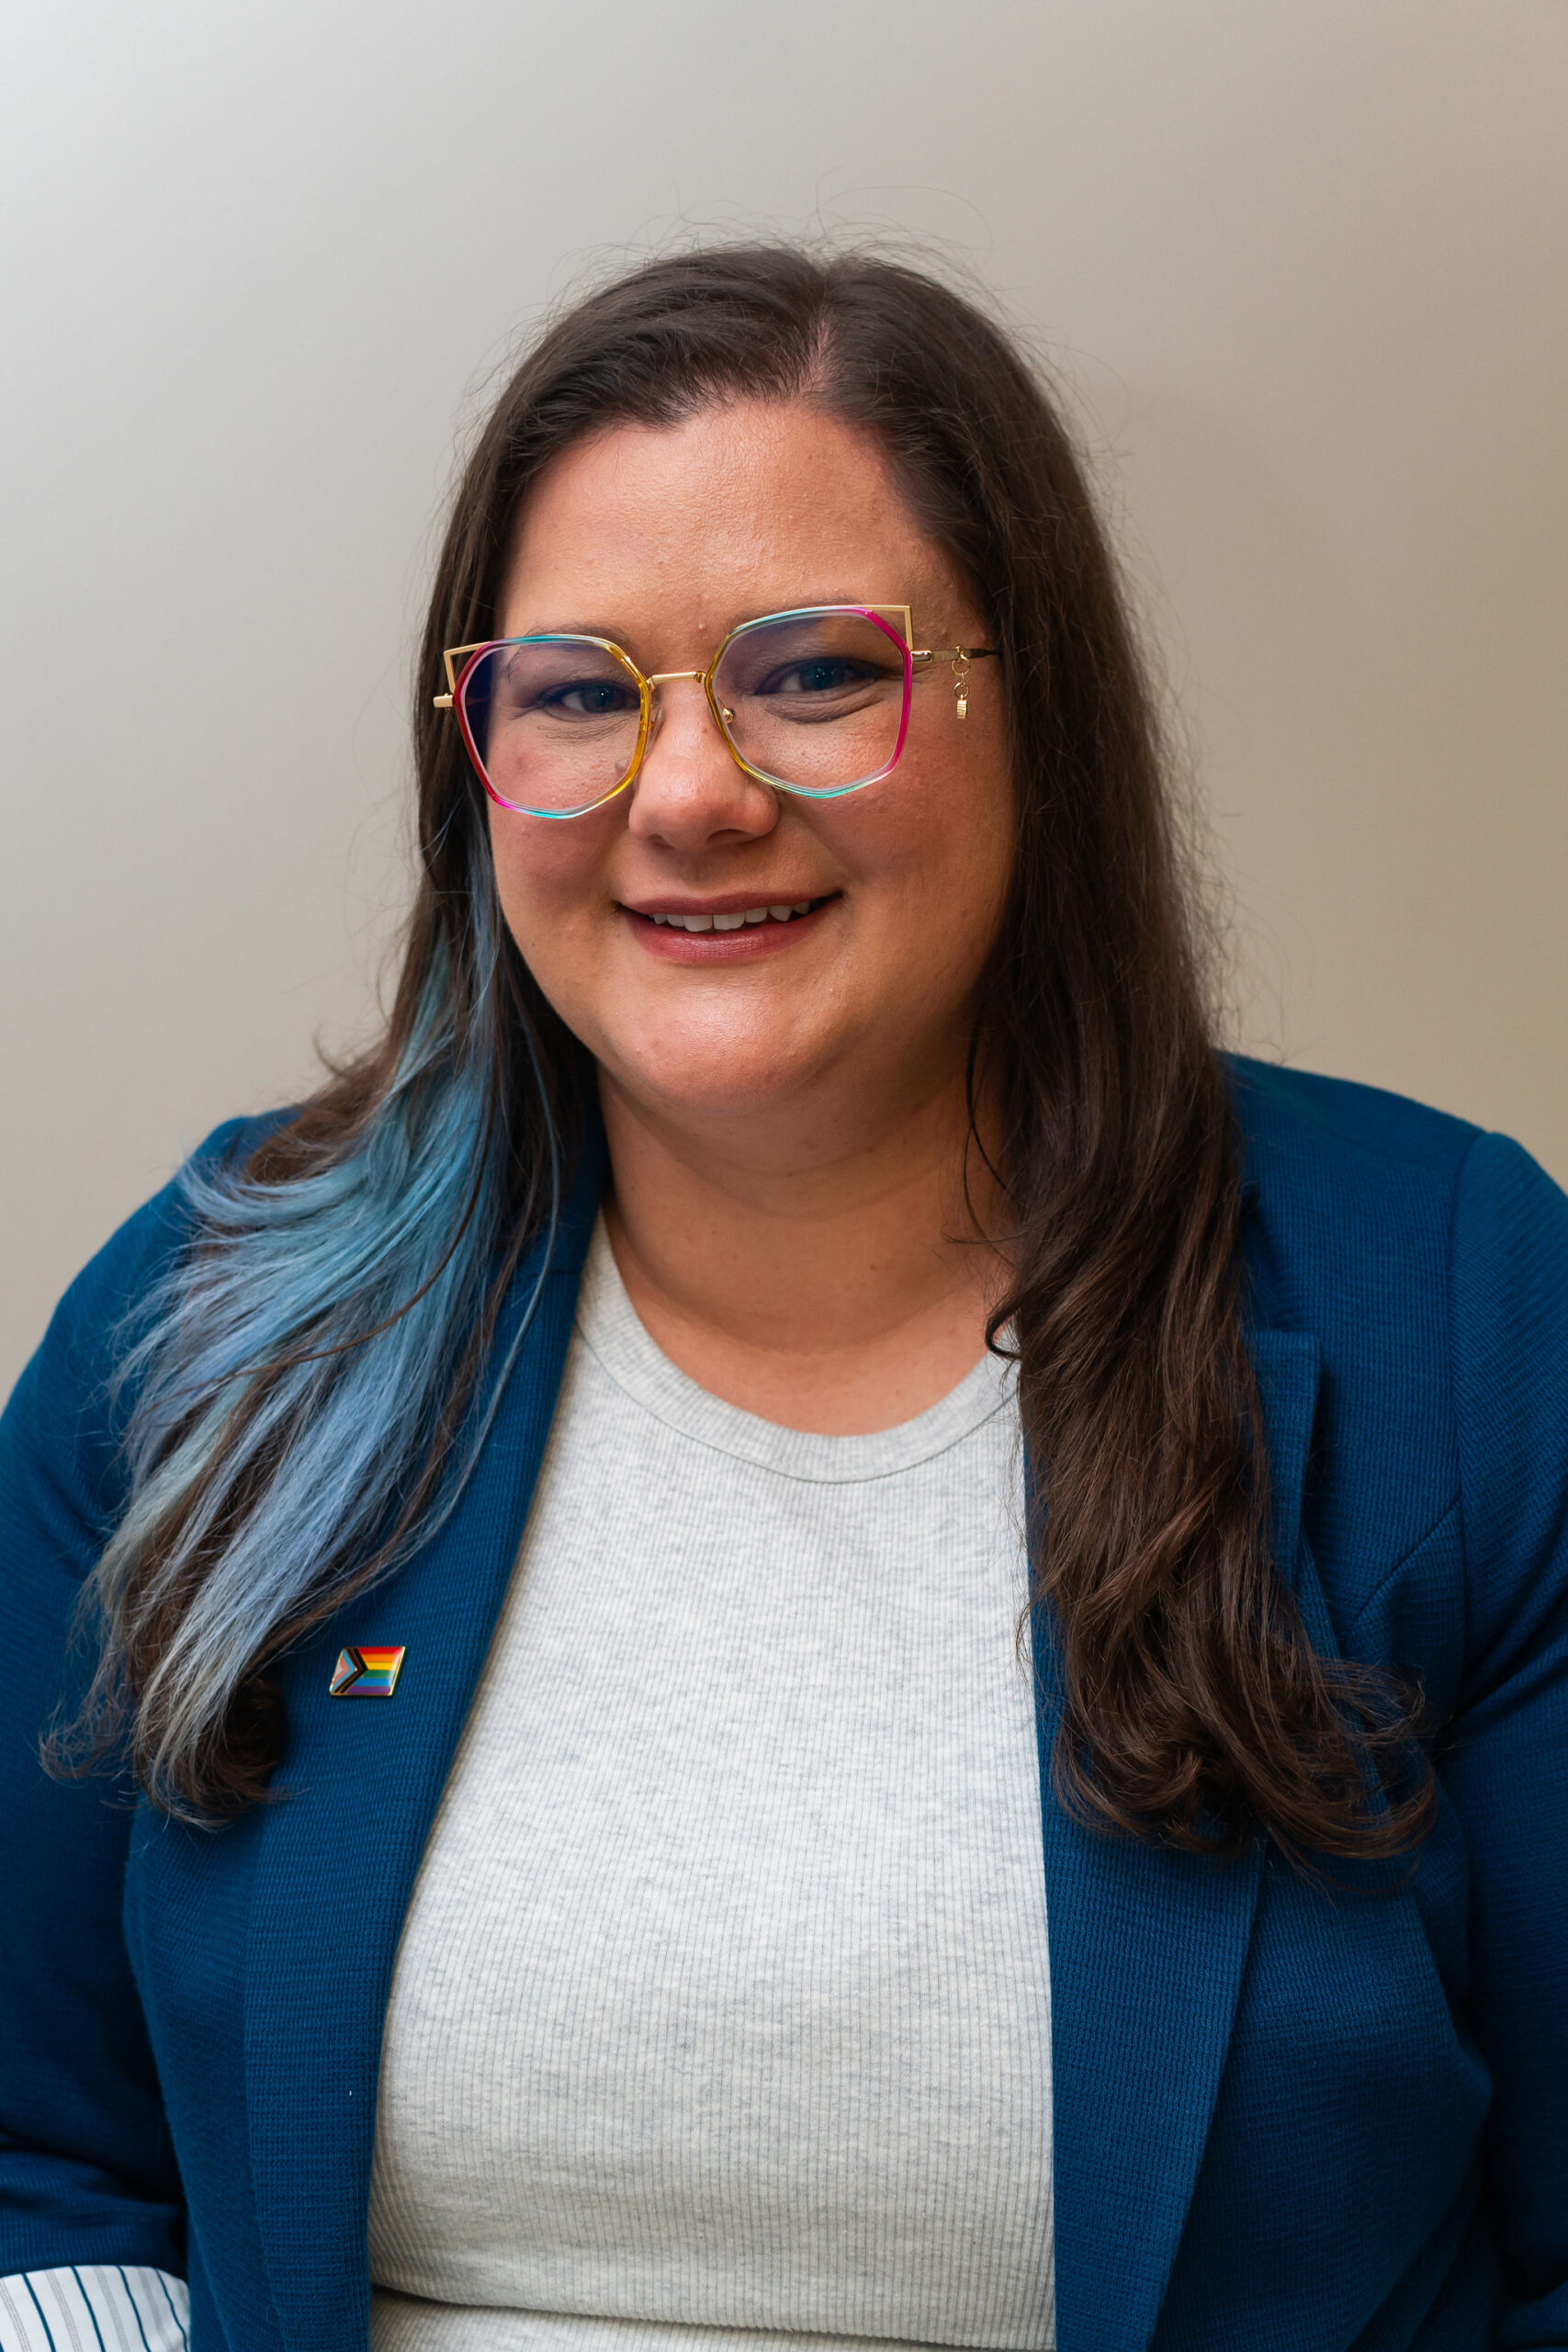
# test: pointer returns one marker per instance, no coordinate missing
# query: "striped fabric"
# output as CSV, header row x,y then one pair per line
x,y
97,2307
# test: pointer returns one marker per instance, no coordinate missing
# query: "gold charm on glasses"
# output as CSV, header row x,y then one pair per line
x,y
814,702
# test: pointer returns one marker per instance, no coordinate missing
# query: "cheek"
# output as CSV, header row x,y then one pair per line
x,y
551,881
547,875
940,832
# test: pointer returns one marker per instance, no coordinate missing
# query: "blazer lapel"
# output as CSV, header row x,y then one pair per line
x,y
340,1850
1148,1953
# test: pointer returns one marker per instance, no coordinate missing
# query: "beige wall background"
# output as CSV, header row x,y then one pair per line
x,y
1299,262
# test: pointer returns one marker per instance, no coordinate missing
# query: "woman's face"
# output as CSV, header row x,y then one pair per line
x,y
661,540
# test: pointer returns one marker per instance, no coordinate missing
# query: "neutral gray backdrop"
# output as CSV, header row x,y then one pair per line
x,y
1299,262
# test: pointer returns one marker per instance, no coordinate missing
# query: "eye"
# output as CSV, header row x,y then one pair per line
x,y
823,673
587,698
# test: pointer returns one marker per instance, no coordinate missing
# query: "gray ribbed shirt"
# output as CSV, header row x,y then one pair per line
x,y
721,2015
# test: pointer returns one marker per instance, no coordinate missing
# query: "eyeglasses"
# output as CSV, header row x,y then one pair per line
x,y
814,702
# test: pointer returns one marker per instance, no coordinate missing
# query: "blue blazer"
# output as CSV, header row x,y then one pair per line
x,y
1298,2116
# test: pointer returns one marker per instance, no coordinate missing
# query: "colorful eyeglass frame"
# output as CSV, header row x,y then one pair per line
x,y
894,622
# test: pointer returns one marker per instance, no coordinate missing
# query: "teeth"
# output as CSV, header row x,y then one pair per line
x,y
734,922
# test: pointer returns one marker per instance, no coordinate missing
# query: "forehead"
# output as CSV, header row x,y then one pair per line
x,y
737,510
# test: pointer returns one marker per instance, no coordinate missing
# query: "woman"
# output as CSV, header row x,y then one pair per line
x,y
955,1607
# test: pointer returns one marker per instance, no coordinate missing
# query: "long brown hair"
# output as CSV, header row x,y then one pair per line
x,y
1193,1709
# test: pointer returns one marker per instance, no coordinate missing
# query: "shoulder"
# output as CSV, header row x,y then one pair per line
x,y
1429,1258
1356,1193
1350,1191
1303,1130
64,1423
140,1251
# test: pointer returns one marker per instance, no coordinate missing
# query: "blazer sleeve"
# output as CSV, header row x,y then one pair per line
x,y
88,2181
87,2173
1506,1771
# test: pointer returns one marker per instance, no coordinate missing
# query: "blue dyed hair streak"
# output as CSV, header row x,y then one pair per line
x,y
301,1383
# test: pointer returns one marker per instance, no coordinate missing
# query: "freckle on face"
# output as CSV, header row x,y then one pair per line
x,y
661,540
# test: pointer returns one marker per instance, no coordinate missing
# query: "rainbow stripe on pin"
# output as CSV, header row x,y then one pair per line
x,y
367,1673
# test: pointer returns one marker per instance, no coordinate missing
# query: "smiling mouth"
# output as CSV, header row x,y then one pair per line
x,y
737,918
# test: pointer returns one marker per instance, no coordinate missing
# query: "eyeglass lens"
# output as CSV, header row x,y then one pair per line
x,y
553,722
816,702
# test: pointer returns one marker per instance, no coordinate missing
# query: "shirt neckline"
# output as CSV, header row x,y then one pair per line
x,y
609,1327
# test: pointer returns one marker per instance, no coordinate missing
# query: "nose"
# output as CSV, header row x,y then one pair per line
x,y
689,792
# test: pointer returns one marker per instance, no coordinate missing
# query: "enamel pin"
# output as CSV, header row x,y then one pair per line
x,y
367,1673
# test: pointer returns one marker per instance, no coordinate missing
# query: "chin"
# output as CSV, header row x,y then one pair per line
x,y
718,1090
722,1077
